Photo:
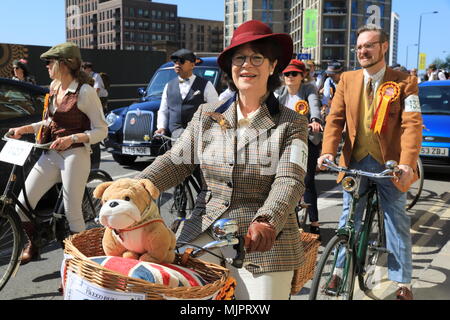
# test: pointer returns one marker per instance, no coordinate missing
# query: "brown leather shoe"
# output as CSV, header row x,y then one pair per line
x,y
403,293
333,286
29,252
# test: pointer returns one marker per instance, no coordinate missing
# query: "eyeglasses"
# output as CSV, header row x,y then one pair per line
x,y
292,73
367,46
180,60
255,60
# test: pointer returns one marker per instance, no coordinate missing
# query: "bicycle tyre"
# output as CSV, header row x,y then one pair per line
x,y
323,275
183,201
413,194
90,205
11,244
367,278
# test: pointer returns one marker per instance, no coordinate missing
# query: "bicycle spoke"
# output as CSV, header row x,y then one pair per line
x,y
334,276
10,247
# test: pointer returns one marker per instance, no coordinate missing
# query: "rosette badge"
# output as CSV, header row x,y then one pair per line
x,y
387,93
302,107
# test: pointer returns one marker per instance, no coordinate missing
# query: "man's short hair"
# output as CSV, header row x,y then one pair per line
x,y
373,27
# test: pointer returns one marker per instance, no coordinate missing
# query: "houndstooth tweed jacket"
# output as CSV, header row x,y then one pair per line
x,y
258,175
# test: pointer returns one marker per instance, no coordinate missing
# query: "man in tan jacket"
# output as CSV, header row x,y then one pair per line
x,y
371,140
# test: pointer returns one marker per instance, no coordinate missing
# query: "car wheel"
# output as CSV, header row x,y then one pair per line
x,y
124,160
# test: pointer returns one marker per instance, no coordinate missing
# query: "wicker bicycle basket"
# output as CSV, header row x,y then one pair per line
x,y
88,243
310,246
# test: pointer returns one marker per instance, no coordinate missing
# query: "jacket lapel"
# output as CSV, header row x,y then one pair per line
x,y
355,87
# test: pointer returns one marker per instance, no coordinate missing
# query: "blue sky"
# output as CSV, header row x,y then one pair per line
x,y
41,22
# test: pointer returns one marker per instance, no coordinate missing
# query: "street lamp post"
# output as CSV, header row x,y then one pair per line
x,y
418,42
407,48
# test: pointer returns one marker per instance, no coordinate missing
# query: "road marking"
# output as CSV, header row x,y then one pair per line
x,y
419,247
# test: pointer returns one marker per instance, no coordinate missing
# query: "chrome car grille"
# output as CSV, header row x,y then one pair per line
x,y
138,124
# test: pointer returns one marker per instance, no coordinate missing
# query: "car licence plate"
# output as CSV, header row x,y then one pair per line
x,y
434,151
136,151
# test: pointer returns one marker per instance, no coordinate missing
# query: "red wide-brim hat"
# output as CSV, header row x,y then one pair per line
x,y
295,65
255,30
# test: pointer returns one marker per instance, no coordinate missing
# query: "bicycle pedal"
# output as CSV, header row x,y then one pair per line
x,y
380,249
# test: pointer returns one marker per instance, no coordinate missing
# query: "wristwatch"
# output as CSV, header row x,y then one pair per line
x,y
74,138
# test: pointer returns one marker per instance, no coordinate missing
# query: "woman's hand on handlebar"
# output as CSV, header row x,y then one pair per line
x,y
160,131
260,237
322,158
16,133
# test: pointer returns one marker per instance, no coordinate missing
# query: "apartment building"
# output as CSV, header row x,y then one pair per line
x,y
276,13
138,25
393,41
323,30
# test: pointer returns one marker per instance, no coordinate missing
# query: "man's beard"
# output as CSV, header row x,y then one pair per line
x,y
373,63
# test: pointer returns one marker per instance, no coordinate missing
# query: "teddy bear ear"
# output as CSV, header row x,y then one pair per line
x,y
150,187
100,189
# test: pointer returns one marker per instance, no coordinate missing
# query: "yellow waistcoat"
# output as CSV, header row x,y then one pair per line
x,y
366,141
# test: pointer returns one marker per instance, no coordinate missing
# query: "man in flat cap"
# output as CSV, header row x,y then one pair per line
x,y
183,95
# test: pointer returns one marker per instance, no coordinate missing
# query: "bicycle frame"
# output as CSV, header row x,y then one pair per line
x,y
357,241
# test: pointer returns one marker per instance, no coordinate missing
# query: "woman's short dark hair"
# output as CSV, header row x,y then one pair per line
x,y
269,50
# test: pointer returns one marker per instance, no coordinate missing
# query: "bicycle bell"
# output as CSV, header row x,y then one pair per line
x,y
390,164
225,227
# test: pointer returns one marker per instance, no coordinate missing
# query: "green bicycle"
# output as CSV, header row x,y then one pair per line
x,y
351,253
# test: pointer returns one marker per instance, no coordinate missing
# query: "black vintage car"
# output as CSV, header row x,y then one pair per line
x,y
130,129
20,104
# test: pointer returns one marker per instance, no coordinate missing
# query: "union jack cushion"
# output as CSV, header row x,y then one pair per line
x,y
170,275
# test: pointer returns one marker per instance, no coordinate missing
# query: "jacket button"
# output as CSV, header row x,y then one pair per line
x,y
230,184
226,203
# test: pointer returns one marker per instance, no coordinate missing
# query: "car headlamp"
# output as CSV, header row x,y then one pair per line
x,y
349,184
113,122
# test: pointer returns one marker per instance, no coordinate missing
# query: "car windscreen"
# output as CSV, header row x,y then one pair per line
x,y
159,80
15,102
435,99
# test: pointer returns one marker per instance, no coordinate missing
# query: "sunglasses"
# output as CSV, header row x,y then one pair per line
x,y
291,73
180,60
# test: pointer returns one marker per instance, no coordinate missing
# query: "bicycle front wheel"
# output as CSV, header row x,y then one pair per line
x,y
91,206
335,274
10,244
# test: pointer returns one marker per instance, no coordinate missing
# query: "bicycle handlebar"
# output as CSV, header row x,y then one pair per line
x,y
225,230
45,146
160,135
388,173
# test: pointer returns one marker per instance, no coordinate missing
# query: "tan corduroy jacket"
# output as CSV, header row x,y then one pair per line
x,y
402,138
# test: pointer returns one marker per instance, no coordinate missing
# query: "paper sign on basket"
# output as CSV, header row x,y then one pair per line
x,y
78,288
15,152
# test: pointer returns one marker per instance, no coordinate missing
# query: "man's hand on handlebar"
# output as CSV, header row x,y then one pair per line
x,y
321,159
405,175
160,131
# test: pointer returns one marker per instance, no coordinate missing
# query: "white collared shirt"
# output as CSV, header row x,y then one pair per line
x,y
377,78
244,122
210,95
88,103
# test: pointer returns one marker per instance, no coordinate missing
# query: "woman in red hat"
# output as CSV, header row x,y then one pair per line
x,y
295,92
253,155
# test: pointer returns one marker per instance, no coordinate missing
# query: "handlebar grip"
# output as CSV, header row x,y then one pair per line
x,y
238,261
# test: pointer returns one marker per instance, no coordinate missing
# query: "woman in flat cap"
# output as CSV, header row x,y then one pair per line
x,y
73,120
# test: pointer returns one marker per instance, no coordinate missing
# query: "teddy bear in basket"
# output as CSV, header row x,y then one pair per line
x,y
134,227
